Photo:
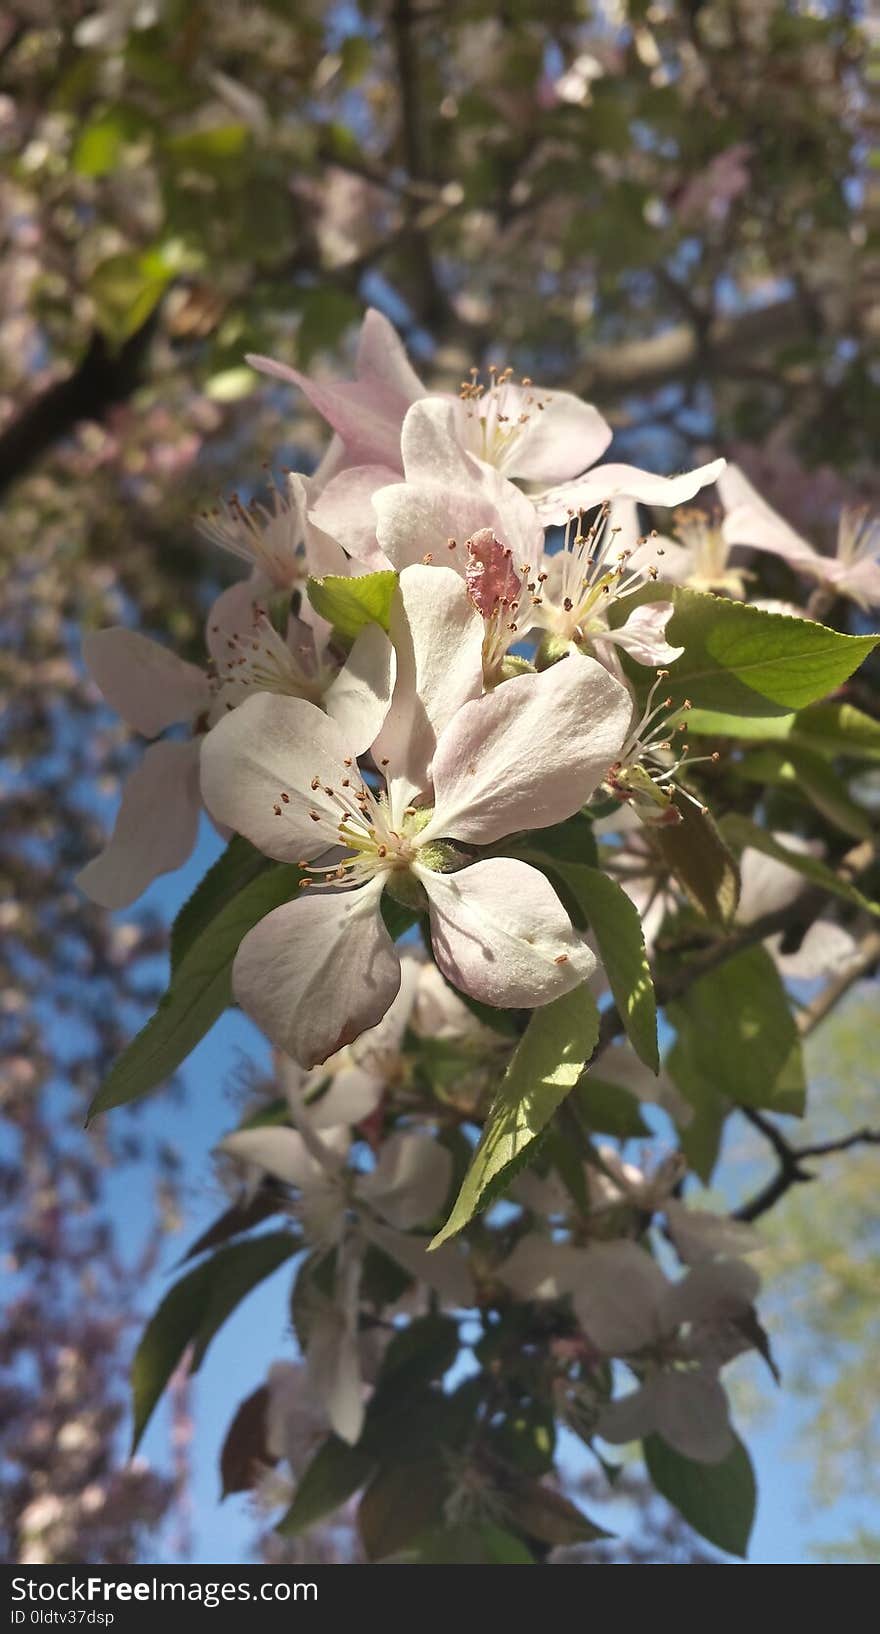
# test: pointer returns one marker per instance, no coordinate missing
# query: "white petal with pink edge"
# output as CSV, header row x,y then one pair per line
x,y
501,934
529,754
317,972
628,481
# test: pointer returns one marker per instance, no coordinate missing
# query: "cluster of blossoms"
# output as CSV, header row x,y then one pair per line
x,y
451,641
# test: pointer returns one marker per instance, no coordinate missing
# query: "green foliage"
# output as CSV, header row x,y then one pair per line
x,y
609,1109
351,604
695,851
199,992
739,1037
740,660
233,870
193,1311
334,1475
717,1500
546,1065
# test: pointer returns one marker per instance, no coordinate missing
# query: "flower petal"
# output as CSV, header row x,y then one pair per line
x,y
609,481
619,1302
381,355
410,1181
444,1269
643,635
345,510
751,521
631,1417
147,684
692,1414
698,1234
529,754
560,439
366,414
359,698
317,972
501,934
272,746
438,637
155,828
713,1291
332,1354
279,1152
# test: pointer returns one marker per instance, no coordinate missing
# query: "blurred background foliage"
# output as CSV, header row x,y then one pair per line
x,y
664,205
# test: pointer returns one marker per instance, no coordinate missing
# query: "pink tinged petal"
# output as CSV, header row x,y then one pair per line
x,y
609,481
410,1182
859,580
444,1269
767,883
148,685
529,754
431,449
271,747
323,551
366,414
619,1301
751,521
359,698
317,972
155,828
345,510
490,576
438,637
691,1414
501,934
381,355
560,440
643,635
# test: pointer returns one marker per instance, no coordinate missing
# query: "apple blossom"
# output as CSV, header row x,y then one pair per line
x,y
281,773
854,569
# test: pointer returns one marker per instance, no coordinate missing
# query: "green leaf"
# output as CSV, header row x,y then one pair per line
x,y
483,1545
244,1451
596,900
834,728
740,1035
193,1311
828,728
334,1475
526,1438
239,864
546,1065
541,1513
609,1109
401,1501
125,288
804,771
695,851
199,992
617,926
742,832
740,660
423,1351
700,1138
235,1221
351,604
717,1500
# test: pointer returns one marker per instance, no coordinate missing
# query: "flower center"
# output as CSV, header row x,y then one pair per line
x,y
365,826
497,414
589,574
268,539
262,661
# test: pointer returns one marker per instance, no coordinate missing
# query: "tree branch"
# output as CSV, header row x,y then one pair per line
x,y
791,1160
101,379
